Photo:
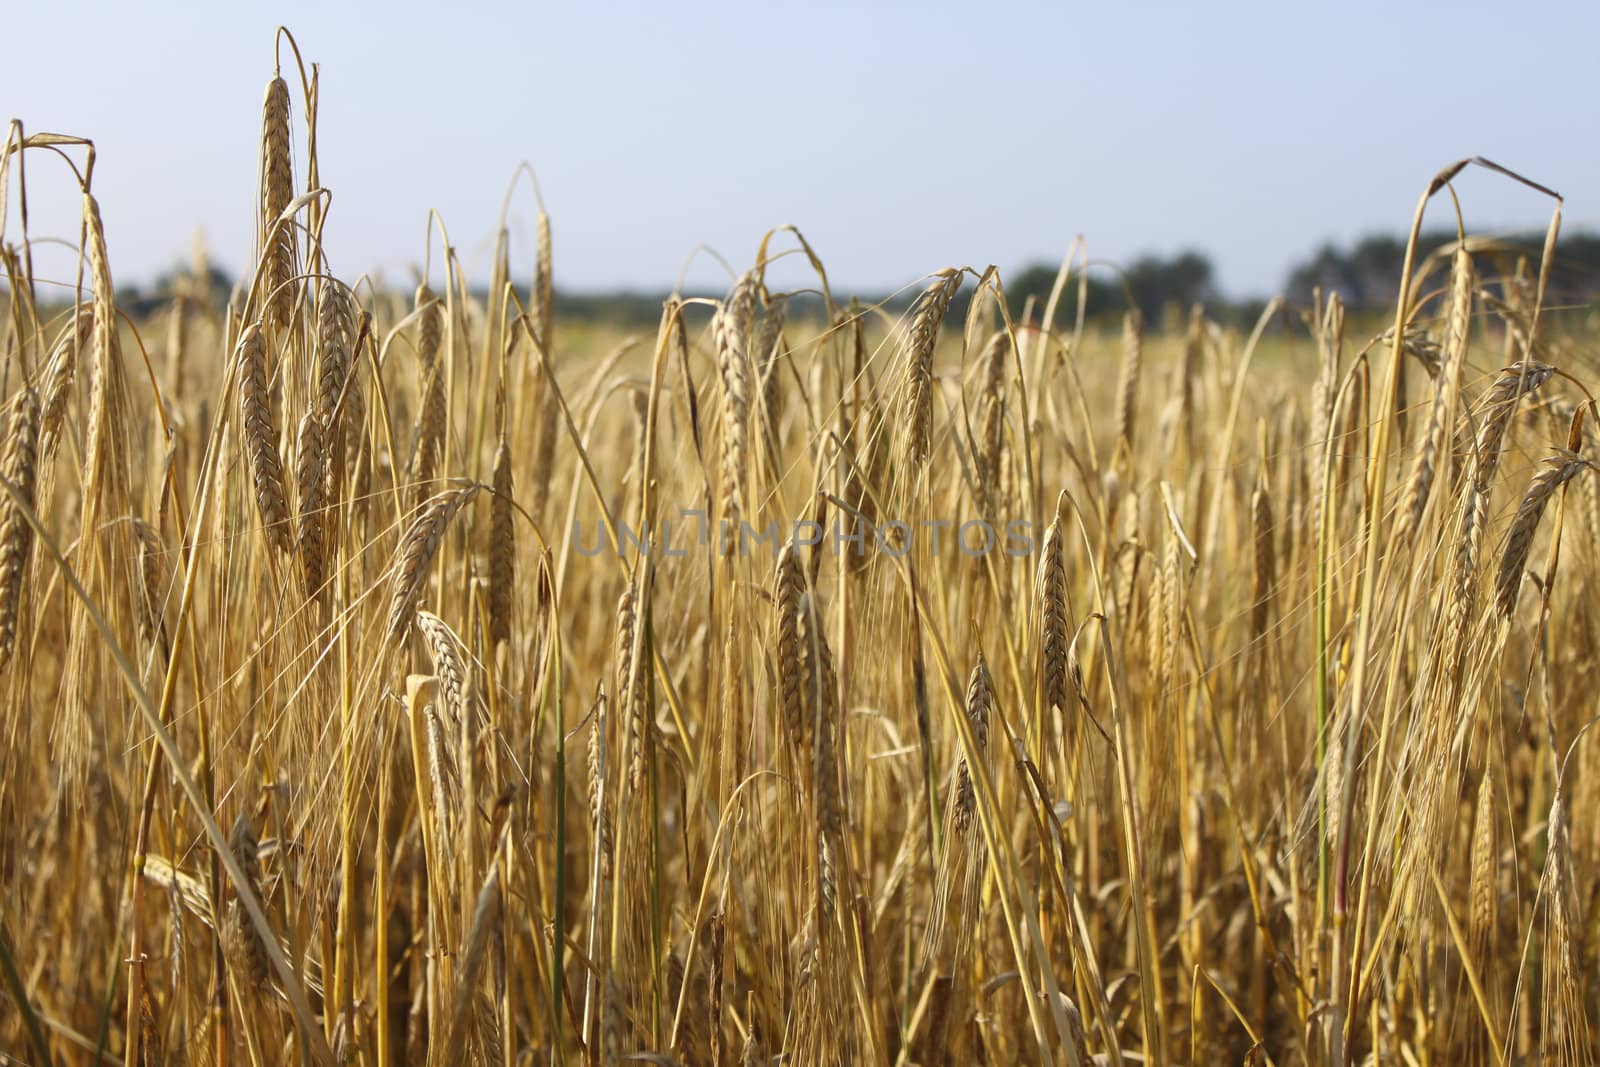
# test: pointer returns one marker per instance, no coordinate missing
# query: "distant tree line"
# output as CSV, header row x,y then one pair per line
x,y
1365,274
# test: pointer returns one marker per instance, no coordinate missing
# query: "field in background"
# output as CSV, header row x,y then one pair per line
x,y
1238,715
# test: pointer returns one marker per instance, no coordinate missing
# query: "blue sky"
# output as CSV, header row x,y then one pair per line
x,y
900,138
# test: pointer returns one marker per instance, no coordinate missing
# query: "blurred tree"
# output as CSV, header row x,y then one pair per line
x,y
1152,282
1367,275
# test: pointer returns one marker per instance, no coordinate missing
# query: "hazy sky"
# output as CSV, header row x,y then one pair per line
x,y
900,138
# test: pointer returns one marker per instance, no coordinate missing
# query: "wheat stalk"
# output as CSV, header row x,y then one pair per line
x,y
730,331
19,456
259,438
1442,413
277,190
921,338
991,437
502,547
311,460
1051,596
428,451
1558,470
631,685
1128,376
421,541
1264,561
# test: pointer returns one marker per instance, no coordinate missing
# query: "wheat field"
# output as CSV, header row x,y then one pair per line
x,y
408,677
